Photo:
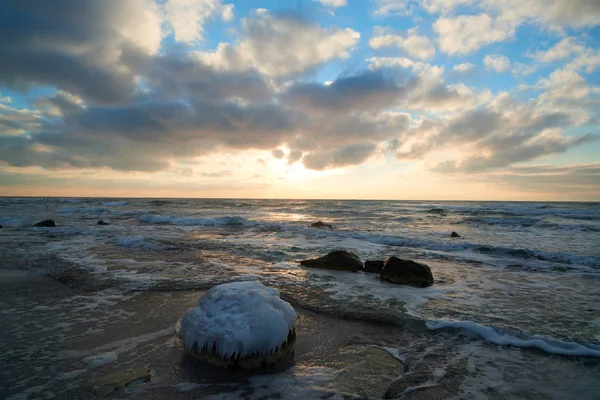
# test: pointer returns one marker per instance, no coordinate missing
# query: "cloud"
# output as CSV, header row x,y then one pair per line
x,y
466,33
346,156
507,150
188,17
563,49
333,3
366,91
79,47
219,174
282,45
412,44
500,134
463,67
496,62
278,153
490,21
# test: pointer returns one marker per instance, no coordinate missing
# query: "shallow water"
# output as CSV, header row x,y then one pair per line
x,y
522,275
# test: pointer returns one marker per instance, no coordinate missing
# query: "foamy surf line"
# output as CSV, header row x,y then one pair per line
x,y
547,344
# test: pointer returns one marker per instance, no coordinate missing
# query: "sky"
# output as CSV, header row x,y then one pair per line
x,y
336,99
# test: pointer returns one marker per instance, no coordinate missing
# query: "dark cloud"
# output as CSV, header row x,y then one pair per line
x,y
369,90
219,174
77,46
502,134
349,155
574,180
278,153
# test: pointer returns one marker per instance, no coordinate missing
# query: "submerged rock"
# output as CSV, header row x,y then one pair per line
x,y
374,266
339,260
406,272
366,372
321,224
240,324
47,223
454,234
101,222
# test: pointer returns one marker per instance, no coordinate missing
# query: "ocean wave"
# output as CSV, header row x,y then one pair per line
x,y
115,203
550,256
451,245
502,338
218,221
136,241
14,222
521,221
74,210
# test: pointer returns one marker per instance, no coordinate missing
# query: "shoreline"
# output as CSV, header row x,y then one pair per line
x,y
141,356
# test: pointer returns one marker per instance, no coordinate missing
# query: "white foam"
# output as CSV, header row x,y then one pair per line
x,y
239,318
115,203
547,344
136,241
71,375
101,359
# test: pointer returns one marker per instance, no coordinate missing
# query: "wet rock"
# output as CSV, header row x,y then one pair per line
x,y
0,226
321,224
406,272
101,222
47,223
121,381
454,234
427,381
339,260
374,266
366,372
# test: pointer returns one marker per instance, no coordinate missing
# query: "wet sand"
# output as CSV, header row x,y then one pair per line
x,y
75,338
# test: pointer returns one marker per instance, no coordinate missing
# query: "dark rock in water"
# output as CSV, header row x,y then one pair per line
x,y
101,222
454,234
406,272
0,226
321,224
374,265
339,260
47,223
439,211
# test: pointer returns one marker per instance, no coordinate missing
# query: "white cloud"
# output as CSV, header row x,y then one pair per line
x,y
467,33
414,45
496,62
498,19
187,17
282,46
140,22
563,49
332,3
463,67
227,12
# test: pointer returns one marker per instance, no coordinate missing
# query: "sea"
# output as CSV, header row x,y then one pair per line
x,y
515,303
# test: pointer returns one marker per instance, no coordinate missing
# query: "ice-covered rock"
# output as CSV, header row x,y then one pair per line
x,y
239,324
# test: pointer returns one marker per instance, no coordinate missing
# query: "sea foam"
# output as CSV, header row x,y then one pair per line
x,y
499,337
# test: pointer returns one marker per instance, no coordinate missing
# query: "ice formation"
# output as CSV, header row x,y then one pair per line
x,y
237,320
